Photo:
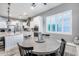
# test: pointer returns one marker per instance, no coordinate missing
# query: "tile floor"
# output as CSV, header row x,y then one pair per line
x,y
69,51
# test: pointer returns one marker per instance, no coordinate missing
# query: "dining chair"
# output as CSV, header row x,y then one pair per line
x,y
25,51
61,50
62,47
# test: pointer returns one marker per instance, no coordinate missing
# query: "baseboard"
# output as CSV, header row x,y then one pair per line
x,y
68,43
8,49
72,44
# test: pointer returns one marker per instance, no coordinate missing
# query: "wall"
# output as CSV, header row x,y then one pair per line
x,y
37,21
75,19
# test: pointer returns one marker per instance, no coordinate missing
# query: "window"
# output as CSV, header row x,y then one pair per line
x,y
60,23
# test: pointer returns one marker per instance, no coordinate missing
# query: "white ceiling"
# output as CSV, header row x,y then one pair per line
x,y
23,10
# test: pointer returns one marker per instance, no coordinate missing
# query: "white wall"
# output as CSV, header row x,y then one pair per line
x,y
34,22
37,21
75,20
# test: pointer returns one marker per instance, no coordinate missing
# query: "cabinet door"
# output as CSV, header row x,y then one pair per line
x,y
8,42
11,41
18,38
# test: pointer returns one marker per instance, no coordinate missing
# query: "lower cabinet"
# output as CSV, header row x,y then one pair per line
x,y
11,41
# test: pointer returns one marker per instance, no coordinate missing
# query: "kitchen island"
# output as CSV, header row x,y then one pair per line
x,y
11,39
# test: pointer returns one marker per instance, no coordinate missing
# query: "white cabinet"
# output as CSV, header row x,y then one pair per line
x,y
12,40
8,42
3,24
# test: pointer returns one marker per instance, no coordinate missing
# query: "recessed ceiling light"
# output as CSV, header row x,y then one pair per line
x,y
25,13
36,5
32,7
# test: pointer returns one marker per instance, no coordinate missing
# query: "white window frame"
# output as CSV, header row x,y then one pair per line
x,y
62,13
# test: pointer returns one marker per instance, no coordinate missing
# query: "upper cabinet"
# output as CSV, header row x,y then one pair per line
x,y
3,22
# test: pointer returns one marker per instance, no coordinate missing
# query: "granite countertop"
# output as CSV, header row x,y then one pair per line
x,y
12,33
8,33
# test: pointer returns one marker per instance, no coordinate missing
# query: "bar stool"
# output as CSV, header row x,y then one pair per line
x,y
2,42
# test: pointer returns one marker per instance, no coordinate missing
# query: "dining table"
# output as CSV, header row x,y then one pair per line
x,y
49,46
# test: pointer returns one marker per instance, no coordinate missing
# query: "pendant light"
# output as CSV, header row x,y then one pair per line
x,y
35,4
8,21
9,12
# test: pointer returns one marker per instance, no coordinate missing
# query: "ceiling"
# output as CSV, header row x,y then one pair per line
x,y
24,10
